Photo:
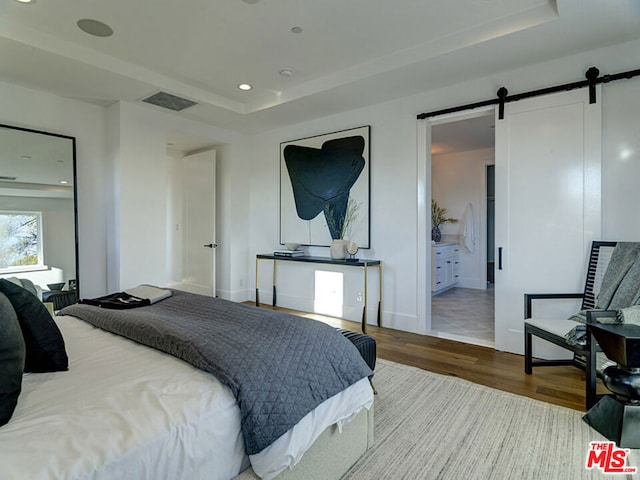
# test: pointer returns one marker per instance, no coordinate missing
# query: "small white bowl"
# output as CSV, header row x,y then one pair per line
x,y
292,246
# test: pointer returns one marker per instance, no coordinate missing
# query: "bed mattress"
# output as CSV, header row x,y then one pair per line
x,y
128,411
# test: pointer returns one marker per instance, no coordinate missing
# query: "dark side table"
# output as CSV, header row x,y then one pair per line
x,y
617,416
60,298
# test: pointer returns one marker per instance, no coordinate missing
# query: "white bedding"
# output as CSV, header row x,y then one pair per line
x,y
129,412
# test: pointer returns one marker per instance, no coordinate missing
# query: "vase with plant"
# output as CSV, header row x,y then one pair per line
x,y
340,227
439,217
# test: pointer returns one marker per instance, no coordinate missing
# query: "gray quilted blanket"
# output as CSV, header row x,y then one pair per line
x,y
278,366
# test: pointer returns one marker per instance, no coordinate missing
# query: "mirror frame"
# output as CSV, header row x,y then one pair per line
x,y
75,190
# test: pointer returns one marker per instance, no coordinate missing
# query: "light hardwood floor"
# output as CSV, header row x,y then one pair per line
x,y
564,385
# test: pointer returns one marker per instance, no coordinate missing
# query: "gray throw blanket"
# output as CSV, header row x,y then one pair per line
x,y
621,282
620,289
278,366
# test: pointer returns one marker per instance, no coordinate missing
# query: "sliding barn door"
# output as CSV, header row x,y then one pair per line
x,y
548,163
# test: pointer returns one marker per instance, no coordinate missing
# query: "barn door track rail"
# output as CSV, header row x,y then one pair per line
x,y
592,76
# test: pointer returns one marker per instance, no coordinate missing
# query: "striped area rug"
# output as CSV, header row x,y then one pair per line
x,y
430,426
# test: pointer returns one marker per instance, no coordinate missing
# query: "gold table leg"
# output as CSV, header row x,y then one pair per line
x,y
273,303
380,294
257,289
364,310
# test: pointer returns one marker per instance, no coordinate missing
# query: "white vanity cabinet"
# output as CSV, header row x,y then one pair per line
x,y
445,266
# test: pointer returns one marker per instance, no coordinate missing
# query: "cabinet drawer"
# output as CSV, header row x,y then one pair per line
x,y
439,272
442,251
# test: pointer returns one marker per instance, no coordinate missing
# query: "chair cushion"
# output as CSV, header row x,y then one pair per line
x,y
12,356
44,343
555,326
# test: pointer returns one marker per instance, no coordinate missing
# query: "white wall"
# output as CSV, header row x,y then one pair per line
x,y
141,175
232,225
394,167
457,180
393,219
38,110
175,194
112,189
143,203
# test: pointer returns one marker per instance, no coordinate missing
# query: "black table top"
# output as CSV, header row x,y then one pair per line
x,y
57,292
358,262
626,330
619,341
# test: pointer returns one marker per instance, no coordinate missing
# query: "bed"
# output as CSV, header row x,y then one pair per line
x,y
124,410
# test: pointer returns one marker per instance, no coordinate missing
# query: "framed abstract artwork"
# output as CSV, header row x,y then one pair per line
x,y
324,188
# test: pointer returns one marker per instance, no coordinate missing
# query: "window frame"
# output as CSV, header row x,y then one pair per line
x,y
40,242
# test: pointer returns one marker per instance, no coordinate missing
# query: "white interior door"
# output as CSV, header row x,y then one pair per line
x,y
548,190
199,259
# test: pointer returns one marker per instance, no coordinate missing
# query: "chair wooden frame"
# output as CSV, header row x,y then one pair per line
x,y
584,356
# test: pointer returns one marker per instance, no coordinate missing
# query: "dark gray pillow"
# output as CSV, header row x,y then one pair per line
x,y
12,355
42,337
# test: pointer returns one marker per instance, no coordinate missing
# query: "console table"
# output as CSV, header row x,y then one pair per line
x,y
364,264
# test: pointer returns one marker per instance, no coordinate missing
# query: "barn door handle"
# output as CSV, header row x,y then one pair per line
x,y
211,245
499,258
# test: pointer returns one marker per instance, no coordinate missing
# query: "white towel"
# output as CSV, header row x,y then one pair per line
x,y
469,232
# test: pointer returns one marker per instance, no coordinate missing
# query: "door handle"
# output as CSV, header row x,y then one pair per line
x,y
211,245
499,258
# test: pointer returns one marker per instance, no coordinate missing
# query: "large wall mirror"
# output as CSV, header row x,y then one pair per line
x,y
38,210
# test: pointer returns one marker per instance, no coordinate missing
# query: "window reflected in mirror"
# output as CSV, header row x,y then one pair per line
x,y
20,241
38,218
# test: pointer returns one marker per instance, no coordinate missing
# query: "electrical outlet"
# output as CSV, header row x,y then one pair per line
x,y
359,297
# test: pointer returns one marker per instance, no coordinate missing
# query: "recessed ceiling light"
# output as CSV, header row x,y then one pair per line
x,y
251,2
95,28
245,86
25,157
286,72
296,30
63,182
26,1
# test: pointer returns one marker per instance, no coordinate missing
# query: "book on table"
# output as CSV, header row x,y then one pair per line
x,y
288,253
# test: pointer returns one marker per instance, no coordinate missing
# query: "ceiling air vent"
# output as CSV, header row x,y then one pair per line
x,y
11,179
166,100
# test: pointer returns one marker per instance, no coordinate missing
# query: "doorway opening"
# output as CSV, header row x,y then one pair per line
x,y
462,181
